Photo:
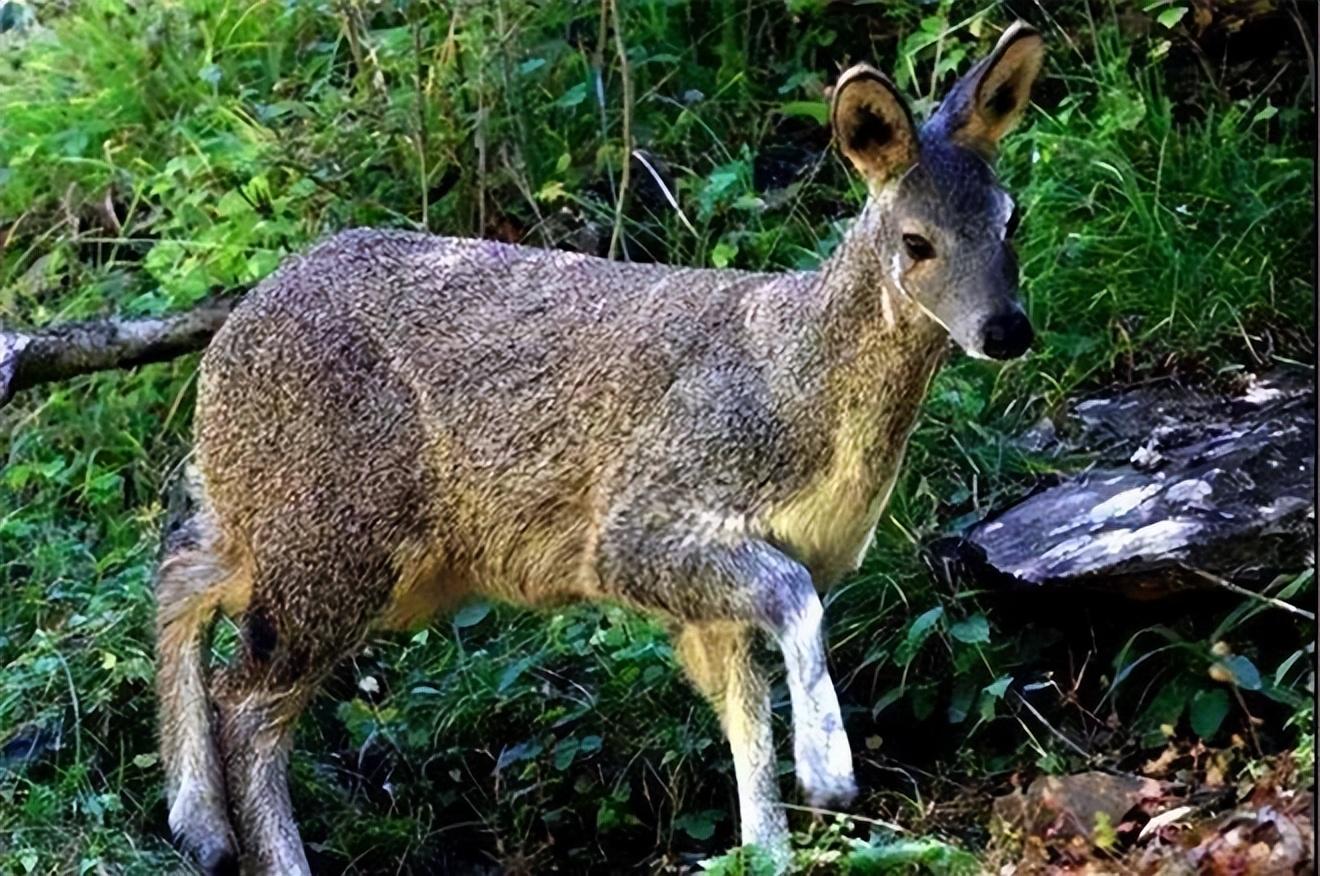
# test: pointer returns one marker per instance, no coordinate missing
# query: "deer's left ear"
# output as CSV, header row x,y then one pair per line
x,y
990,99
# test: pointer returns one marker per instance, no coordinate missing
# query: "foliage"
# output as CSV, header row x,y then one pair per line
x,y
152,154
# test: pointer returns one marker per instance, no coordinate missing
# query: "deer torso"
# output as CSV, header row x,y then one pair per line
x,y
526,388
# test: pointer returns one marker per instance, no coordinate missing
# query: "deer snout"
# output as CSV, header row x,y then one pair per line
x,y
1007,335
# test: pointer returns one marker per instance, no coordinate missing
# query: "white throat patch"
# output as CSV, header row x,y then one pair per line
x,y
896,274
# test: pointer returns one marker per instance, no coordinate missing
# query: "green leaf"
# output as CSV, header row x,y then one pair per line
x,y
1072,344
1207,712
512,673
607,815
471,614
918,632
1295,585
974,630
961,701
909,855
232,204
748,860
613,812
565,751
922,700
722,254
1244,672
991,694
722,182
934,25
811,109
1171,16
1286,665
922,626
699,825
888,699
1166,707
552,191
1103,834
573,96
104,489
516,753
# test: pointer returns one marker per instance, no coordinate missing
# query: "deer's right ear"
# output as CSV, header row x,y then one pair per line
x,y
986,103
872,125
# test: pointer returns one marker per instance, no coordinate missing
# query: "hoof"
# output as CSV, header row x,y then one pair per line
x,y
202,830
834,793
825,771
217,860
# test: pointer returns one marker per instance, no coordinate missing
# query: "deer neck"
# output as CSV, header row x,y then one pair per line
x,y
856,354
878,347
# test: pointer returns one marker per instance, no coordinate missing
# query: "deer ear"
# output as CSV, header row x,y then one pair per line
x,y
990,99
872,125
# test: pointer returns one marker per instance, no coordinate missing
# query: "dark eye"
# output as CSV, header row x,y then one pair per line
x,y
1011,228
918,247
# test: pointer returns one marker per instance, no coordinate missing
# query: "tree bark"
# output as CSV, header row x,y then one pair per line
x,y
29,359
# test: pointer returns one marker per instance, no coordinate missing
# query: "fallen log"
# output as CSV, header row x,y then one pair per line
x,y
1213,490
28,359
58,352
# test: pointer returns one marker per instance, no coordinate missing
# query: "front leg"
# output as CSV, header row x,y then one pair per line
x,y
698,579
820,744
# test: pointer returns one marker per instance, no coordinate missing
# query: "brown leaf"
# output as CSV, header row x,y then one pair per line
x,y
1257,842
1159,766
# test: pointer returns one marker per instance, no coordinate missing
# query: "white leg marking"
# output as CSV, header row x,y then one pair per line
x,y
820,745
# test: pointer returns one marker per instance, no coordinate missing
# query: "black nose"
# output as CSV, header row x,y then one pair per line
x,y
1007,335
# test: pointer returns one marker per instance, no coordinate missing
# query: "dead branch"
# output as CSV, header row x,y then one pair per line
x,y
29,359
616,234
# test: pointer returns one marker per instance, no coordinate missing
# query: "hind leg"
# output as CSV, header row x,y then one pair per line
x,y
190,584
256,731
300,622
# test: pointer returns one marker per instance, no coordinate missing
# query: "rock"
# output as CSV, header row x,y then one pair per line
x,y
1220,485
1080,805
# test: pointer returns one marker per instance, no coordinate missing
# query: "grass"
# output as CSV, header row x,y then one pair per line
x,y
153,154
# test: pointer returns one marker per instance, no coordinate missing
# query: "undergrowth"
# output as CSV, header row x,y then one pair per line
x,y
154,154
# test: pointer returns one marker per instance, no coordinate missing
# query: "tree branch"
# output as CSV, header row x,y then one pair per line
x,y
29,359
625,75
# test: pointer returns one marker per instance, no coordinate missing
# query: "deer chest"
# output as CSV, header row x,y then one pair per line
x,y
829,524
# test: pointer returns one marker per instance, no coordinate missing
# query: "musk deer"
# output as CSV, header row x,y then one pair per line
x,y
396,422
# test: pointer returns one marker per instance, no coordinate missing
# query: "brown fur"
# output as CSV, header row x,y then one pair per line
x,y
394,423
